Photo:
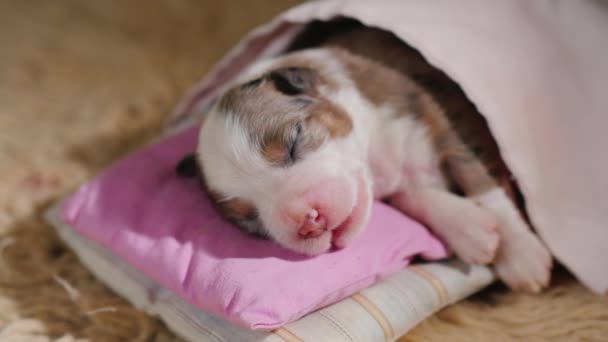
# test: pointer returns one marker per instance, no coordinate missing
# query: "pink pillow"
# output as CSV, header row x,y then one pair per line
x,y
165,226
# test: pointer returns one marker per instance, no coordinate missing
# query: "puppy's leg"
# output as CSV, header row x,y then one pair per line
x,y
467,228
522,262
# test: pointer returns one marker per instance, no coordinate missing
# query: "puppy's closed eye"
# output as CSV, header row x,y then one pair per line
x,y
283,147
292,145
294,80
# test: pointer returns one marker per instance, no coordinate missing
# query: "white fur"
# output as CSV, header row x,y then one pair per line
x,y
401,154
376,153
392,157
232,163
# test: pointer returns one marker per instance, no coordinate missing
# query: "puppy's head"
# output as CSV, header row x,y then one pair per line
x,y
280,158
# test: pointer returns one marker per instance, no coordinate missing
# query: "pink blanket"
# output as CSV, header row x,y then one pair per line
x,y
165,226
537,72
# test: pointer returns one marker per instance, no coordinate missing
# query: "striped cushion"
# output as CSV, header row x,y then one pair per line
x,y
382,312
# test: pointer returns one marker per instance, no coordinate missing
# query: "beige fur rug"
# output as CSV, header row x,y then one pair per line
x,y
84,82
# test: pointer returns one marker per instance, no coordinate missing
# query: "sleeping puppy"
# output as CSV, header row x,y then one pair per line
x,y
299,148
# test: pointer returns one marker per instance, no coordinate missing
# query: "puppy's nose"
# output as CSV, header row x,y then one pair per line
x,y
314,225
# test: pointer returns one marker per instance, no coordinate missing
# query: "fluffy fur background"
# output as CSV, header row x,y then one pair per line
x,y
84,82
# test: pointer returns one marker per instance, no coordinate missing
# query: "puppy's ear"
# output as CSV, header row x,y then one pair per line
x,y
294,80
188,167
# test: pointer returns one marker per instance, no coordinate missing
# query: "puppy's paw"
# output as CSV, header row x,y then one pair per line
x,y
524,263
480,250
477,241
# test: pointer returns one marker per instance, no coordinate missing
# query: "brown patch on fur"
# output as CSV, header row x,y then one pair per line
x,y
469,155
271,116
382,86
274,149
378,83
333,118
234,209
458,161
237,209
